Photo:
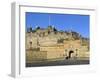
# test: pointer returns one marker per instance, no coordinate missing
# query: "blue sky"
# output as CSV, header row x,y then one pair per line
x,y
75,22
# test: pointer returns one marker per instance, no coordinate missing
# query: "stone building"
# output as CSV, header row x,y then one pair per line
x,y
50,44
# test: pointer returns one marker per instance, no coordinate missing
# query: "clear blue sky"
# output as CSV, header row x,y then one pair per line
x,y
75,22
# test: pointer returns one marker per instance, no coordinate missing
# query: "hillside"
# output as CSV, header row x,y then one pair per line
x,y
52,32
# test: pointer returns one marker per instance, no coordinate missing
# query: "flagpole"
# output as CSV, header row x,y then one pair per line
x,y
49,20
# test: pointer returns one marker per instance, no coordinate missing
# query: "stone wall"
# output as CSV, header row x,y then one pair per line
x,y
51,49
34,56
53,52
83,52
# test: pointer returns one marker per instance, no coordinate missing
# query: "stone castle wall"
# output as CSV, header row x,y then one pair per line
x,y
49,48
33,56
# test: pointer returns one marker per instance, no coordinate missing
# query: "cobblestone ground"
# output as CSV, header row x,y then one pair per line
x,y
59,63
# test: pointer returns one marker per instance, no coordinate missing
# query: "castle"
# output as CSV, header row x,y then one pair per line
x,y
51,44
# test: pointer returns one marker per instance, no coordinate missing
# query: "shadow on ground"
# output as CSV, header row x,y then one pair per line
x,y
58,63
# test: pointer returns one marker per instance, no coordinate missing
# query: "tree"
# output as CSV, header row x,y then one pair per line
x,y
37,28
30,29
54,29
49,27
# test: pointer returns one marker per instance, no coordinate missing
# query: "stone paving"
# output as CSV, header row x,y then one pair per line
x,y
59,63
